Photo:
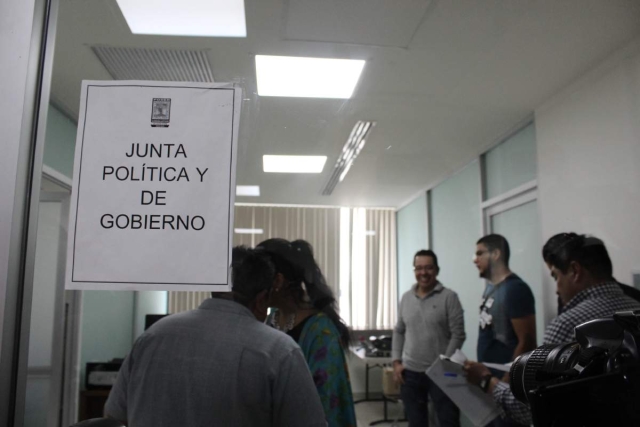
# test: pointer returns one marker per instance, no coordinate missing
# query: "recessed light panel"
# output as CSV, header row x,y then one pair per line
x,y
205,18
293,164
302,77
248,190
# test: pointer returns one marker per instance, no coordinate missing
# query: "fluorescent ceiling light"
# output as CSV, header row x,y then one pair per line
x,y
207,18
293,164
248,230
307,77
350,150
248,190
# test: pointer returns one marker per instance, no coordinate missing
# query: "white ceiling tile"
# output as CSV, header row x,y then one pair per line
x,y
367,22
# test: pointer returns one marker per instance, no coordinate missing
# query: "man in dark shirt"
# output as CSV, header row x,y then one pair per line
x,y
583,272
507,313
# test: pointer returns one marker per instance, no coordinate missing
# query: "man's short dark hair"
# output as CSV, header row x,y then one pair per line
x,y
252,272
427,252
497,242
590,252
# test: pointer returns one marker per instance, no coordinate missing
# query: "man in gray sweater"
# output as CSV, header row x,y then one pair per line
x,y
430,323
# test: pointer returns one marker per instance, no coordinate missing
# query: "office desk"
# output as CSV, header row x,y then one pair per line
x,y
370,363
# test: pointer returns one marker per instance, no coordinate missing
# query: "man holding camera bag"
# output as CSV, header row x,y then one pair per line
x,y
583,272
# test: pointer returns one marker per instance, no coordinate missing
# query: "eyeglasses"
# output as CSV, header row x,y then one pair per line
x,y
425,268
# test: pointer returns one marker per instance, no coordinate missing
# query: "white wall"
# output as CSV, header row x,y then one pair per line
x,y
589,161
413,235
456,226
59,147
41,329
107,327
147,302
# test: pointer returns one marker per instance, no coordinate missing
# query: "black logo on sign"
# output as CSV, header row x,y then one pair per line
x,y
160,112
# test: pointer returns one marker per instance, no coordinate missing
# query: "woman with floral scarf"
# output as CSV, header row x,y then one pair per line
x,y
306,312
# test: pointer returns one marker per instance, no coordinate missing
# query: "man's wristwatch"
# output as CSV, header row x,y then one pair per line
x,y
485,382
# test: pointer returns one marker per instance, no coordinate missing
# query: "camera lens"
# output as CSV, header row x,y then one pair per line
x,y
545,363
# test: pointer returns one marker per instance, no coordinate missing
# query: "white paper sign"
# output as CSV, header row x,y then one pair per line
x,y
154,174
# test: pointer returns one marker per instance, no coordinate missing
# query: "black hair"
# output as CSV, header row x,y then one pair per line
x,y
252,272
295,261
496,241
427,252
590,252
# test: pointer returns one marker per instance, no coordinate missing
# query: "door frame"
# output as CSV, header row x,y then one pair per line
x,y
33,40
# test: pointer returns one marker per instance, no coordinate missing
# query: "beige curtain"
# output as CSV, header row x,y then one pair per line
x,y
385,242
366,290
319,226
374,292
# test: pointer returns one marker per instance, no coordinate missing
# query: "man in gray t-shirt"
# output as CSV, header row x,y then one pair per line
x,y
218,365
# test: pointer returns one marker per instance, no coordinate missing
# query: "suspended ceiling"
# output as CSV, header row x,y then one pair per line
x,y
444,80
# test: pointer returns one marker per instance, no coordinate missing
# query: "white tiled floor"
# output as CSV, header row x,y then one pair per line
x,y
367,412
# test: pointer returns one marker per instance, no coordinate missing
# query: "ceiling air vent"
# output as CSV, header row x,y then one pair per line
x,y
350,151
126,63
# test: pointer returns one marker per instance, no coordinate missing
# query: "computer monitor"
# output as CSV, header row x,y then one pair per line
x,y
150,319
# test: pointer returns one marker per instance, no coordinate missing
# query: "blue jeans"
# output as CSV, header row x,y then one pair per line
x,y
416,391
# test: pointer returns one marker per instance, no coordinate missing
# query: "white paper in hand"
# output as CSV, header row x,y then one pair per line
x,y
458,357
499,366
477,405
